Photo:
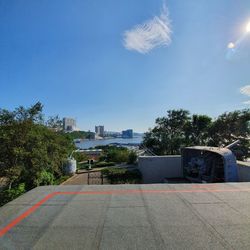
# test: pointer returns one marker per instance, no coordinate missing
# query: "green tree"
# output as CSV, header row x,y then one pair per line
x,y
230,127
114,154
197,130
55,123
178,129
80,135
28,147
79,156
169,134
117,155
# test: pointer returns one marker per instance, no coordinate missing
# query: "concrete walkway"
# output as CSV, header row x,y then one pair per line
x,y
163,216
82,179
77,179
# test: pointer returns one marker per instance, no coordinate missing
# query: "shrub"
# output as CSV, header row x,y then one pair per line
x,y
104,164
11,194
114,153
80,157
122,175
44,178
132,157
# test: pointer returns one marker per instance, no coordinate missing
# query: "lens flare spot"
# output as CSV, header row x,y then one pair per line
x,y
231,45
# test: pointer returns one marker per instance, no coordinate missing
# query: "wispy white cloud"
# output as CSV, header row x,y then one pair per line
x,y
247,102
151,34
245,90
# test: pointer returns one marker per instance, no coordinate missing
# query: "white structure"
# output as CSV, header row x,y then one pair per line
x,y
70,167
99,130
69,124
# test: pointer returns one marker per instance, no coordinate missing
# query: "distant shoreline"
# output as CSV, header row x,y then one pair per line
x,y
109,138
91,143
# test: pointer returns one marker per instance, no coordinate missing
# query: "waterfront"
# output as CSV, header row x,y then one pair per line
x,y
85,144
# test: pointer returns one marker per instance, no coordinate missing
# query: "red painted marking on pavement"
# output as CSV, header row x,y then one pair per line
x,y
4,230
204,186
32,209
132,191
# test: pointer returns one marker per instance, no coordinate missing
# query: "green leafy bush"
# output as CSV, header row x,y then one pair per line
x,y
104,164
80,135
11,194
44,178
80,156
132,157
82,165
122,175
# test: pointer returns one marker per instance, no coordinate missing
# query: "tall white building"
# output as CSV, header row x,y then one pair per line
x,y
69,124
99,130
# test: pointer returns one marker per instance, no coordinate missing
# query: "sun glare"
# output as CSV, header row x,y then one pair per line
x,y
248,27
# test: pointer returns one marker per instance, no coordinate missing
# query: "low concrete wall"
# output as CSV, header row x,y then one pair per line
x,y
155,169
244,170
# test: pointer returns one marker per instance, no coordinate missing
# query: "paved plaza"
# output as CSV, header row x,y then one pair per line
x,y
158,216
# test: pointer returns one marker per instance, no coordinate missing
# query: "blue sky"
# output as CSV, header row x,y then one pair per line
x,y
123,63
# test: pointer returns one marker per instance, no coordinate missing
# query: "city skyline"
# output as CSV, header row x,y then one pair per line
x,y
125,63
70,124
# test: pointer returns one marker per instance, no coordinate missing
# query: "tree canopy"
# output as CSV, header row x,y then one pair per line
x,y
179,129
30,152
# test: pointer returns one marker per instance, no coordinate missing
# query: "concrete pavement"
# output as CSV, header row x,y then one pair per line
x,y
159,216
82,179
77,179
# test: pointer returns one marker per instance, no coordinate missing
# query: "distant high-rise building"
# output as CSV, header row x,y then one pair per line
x,y
127,133
99,130
69,124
